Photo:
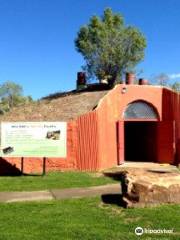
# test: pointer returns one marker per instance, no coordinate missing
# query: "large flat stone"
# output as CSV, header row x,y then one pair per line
x,y
148,187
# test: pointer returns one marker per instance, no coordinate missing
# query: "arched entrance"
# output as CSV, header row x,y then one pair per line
x,y
140,141
140,132
142,136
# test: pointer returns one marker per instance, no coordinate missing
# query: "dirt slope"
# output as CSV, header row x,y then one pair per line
x,y
63,108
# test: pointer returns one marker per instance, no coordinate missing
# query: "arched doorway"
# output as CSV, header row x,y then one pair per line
x,y
140,132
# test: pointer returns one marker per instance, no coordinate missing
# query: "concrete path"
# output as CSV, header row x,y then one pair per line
x,y
59,193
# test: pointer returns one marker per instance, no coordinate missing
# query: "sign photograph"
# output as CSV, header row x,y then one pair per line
x,y
33,139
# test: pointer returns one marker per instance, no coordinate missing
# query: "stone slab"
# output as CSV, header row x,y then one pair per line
x,y
146,186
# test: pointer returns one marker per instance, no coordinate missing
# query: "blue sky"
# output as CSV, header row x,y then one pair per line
x,y
37,39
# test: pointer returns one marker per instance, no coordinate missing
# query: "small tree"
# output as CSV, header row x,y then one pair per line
x,y
176,86
109,47
161,79
9,91
11,95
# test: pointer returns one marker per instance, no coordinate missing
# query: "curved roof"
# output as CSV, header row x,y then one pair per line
x,y
62,108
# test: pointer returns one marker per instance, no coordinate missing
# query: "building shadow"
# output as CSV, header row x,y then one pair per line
x,y
8,169
114,199
170,113
177,154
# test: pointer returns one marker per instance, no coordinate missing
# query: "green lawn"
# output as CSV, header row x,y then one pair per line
x,y
86,219
52,181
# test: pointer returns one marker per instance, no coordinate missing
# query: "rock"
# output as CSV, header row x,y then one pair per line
x,y
141,188
148,184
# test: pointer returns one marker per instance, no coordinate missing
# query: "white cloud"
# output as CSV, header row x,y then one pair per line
x,y
174,76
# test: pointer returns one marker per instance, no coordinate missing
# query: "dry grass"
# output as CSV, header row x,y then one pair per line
x,y
63,108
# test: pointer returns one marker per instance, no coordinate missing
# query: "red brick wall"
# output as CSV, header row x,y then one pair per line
x,y
92,138
111,109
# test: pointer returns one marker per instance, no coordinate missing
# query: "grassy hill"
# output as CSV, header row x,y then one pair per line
x,y
58,107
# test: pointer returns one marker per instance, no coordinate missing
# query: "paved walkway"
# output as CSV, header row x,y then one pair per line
x,y
59,193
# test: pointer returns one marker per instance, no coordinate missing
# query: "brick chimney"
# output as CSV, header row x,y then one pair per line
x,y
143,81
130,78
81,80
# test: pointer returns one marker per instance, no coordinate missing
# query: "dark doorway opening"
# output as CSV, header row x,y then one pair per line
x,y
140,141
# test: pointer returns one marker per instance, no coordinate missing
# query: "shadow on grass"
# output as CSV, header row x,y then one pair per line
x,y
113,199
33,174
